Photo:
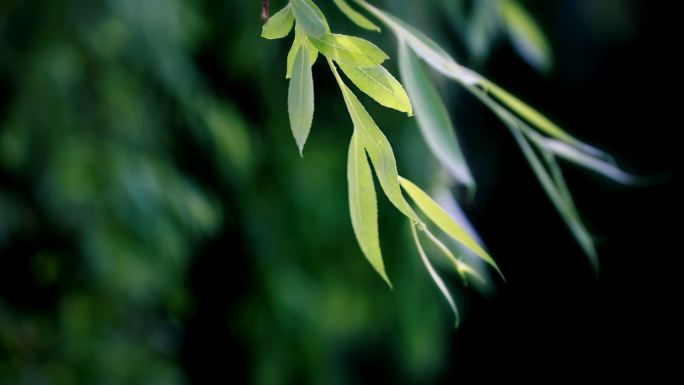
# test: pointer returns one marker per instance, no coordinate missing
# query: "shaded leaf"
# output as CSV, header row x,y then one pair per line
x,y
363,205
444,221
380,85
300,97
279,25
527,37
349,50
356,17
433,118
313,52
309,18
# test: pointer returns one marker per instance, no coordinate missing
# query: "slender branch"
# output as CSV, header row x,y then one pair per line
x,y
264,11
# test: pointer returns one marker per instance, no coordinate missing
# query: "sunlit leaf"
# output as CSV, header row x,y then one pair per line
x,y
526,35
313,52
435,277
349,50
363,205
380,85
444,221
377,146
309,18
433,118
356,17
300,97
279,25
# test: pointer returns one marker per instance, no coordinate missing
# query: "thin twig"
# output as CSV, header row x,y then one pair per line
x,y
264,11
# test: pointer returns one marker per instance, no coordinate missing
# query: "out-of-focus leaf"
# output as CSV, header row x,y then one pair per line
x,y
309,18
527,36
356,17
349,50
380,85
427,49
433,118
279,25
313,52
377,146
363,205
435,277
300,97
444,221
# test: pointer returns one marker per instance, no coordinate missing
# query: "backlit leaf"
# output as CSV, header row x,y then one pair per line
x,y
313,52
380,85
356,17
363,205
527,37
309,18
433,118
300,97
444,221
279,25
349,50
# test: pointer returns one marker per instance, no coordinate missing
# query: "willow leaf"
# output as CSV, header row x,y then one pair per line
x,y
363,205
435,277
380,85
313,52
433,118
301,97
526,35
308,19
279,25
349,50
356,17
444,221
377,146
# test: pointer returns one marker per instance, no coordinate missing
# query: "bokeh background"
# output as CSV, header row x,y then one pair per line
x,y
158,226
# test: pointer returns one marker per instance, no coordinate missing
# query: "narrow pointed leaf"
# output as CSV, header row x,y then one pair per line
x,y
380,85
301,97
433,118
308,19
349,50
363,205
444,221
279,25
435,277
527,37
377,146
313,53
356,17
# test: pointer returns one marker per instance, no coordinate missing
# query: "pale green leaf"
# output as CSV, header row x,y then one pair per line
x,y
433,118
435,277
363,205
309,18
377,146
301,97
313,52
380,85
349,50
279,25
444,221
356,17
527,37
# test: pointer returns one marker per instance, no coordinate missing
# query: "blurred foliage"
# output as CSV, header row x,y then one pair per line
x,y
146,162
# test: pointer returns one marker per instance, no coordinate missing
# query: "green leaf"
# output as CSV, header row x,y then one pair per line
x,y
377,146
427,49
301,97
526,35
380,85
309,18
279,25
435,277
313,52
433,118
349,50
363,206
444,221
356,17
